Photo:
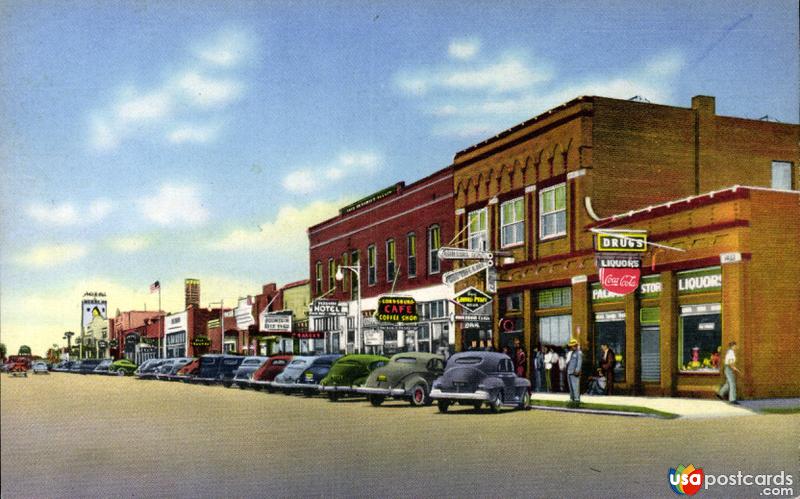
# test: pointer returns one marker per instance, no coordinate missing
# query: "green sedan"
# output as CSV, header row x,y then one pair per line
x,y
122,367
408,376
348,373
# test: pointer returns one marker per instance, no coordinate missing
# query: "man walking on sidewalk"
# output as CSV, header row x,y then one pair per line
x,y
574,371
729,388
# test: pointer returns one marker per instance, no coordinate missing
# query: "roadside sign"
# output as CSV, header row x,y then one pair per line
x,y
621,241
397,309
449,253
472,299
328,308
454,276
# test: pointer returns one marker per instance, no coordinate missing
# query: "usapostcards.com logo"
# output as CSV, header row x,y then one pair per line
x,y
686,480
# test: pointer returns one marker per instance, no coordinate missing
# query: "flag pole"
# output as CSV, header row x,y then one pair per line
x,y
161,323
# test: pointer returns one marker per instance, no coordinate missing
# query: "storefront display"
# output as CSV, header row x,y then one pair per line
x,y
700,338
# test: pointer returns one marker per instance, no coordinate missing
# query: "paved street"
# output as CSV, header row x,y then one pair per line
x,y
67,435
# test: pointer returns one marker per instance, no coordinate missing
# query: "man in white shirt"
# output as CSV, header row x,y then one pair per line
x,y
729,388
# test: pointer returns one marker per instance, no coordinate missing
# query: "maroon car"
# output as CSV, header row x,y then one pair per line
x,y
267,372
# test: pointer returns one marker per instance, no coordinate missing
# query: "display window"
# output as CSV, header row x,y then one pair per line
x,y
700,338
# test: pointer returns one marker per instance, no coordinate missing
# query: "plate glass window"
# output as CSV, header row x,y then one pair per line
x,y
555,330
512,222
371,265
700,339
411,250
434,243
782,175
478,230
390,259
553,211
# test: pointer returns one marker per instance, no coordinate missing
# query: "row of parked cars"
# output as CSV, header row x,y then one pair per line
x,y
467,378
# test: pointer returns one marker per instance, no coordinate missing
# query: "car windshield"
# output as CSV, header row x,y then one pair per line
x,y
279,362
251,362
468,360
208,361
298,363
406,360
231,362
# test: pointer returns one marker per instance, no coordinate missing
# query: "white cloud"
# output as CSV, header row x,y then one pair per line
x,y
206,91
286,232
174,205
66,214
463,49
102,135
51,255
197,134
347,164
133,244
485,100
153,106
228,49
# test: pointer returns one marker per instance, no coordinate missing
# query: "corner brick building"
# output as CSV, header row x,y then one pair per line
x,y
533,192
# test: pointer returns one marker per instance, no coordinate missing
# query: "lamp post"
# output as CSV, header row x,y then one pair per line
x,y
68,336
359,340
221,324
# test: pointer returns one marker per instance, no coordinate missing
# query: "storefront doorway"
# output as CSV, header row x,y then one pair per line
x,y
651,354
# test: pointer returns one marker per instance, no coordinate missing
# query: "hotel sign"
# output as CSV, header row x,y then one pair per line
x,y
328,308
620,242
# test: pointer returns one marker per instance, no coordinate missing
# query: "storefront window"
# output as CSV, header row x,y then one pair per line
x,y
553,211
434,243
478,238
610,330
512,222
700,338
555,330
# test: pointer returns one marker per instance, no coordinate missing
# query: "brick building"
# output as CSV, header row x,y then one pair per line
x,y
393,235
535,190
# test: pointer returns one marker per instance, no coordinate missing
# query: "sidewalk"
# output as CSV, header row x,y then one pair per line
x,y
683,407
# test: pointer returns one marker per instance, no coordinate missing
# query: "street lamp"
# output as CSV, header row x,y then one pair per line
x,y
221,324
359,341
68,336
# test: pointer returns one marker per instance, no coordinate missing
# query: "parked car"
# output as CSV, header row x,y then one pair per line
x,y
122,367
249,365
63,366
148,369
169,369
75,367
218,368
309,380
88,365
407,376
264,375
350,372
478,378
286,380
189,371
40,367
103,367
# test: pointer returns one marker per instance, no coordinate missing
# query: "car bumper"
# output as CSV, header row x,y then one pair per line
x,y
283,385
386,392
338,389
477,395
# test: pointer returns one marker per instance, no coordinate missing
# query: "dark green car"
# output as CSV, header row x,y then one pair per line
x,y
348,373
122,367
408,376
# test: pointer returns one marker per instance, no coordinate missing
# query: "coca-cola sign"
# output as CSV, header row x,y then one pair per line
x,y
619,280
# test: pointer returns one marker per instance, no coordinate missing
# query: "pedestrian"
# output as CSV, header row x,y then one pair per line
x,y
520,361
597,384
729,388
608,362
538,369
562,371
548,367
574,371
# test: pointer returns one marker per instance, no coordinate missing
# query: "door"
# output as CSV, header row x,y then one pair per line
x,y
651,354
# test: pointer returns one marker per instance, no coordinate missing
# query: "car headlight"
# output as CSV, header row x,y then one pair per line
x,y
381,377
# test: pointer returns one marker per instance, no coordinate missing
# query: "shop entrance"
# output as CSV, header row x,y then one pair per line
x,y
651,354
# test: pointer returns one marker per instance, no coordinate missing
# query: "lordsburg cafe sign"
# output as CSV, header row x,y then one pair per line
x,y
618,257
397,309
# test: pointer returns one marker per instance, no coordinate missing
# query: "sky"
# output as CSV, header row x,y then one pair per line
x,y
145,141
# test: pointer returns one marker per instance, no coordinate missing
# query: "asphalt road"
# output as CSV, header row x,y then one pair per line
x,y
67,435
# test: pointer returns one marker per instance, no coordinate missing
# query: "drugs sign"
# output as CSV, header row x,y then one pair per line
x,y
397,309
620,242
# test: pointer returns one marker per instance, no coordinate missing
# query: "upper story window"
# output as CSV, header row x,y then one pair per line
x,y
782,175
434,243
331,273
512,222
372,269
555,298
553,211
391,259
478,233
318,278
411,252
354,261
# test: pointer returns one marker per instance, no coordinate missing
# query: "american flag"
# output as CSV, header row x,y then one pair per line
x,y
155,287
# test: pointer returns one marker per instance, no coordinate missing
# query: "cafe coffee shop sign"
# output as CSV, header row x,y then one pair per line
x,y
397,309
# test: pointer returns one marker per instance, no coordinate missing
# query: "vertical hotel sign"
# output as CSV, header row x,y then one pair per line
x,y
618,257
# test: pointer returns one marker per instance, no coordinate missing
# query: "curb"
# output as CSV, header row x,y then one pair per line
x,y
604,412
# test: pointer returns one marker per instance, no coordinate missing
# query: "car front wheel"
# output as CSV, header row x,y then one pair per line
x,y
443,405
495,404
525,403
418,396
333,396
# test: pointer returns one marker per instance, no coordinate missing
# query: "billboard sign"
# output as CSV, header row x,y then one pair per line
x,y
93,305
244,313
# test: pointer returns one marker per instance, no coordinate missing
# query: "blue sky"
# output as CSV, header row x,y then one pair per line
x,y
164,140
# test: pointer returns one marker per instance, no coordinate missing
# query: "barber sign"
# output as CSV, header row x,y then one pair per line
x,y
619,280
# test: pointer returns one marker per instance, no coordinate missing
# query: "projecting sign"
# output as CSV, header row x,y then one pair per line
x,y
618,261
472,299
328,308
472,318
454,276
277,322
491,280
201,341
621,242
397,309
620,281
448,253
